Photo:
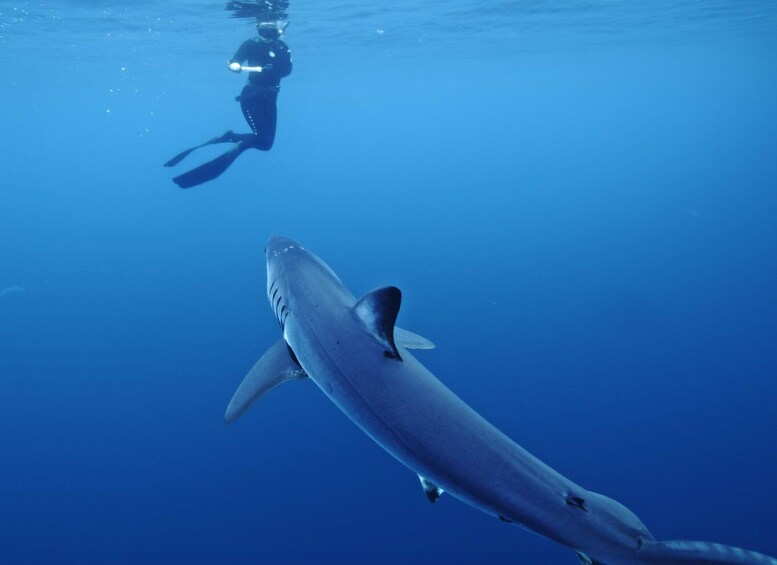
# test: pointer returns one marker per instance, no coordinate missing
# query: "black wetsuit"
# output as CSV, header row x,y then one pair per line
x,y
258,98
258,102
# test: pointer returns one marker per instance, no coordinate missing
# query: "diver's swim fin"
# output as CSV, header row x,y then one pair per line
x,y
228,137
182,155
210,170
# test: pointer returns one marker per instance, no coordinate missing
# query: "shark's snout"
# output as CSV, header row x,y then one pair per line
x,y
278,244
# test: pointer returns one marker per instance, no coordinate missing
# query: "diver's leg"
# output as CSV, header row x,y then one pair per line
x,y
231,137
261,113
212,169
255,101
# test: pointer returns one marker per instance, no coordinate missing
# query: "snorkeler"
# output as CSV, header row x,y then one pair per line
x,y
268,61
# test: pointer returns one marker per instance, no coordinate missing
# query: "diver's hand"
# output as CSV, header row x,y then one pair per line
x,y
235,67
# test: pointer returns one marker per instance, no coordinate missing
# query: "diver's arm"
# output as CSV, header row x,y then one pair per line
x,y
240,55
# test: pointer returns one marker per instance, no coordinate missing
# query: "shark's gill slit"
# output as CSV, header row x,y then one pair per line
x,y
277,308
282,317
270,289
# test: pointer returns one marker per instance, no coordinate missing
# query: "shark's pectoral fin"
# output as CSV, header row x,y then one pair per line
x,y
378,312
409,340
431,490
585,560
276,366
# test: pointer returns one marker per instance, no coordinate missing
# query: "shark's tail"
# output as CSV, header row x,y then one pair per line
x,y
700,553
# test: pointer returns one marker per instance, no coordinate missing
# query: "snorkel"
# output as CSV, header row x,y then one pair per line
x,y
269,31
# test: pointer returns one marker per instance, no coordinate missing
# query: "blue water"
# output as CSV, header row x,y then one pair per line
x,y
578,200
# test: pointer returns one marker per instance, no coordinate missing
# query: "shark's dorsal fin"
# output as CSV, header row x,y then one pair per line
x,y
431,490
276,366
378,311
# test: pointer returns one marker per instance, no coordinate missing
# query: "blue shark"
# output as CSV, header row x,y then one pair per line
x,y
352,350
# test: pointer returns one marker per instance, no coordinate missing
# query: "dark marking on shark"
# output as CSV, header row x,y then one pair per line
x,y
576,502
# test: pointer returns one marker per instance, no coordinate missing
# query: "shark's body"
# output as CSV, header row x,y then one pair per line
x,y
352,351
